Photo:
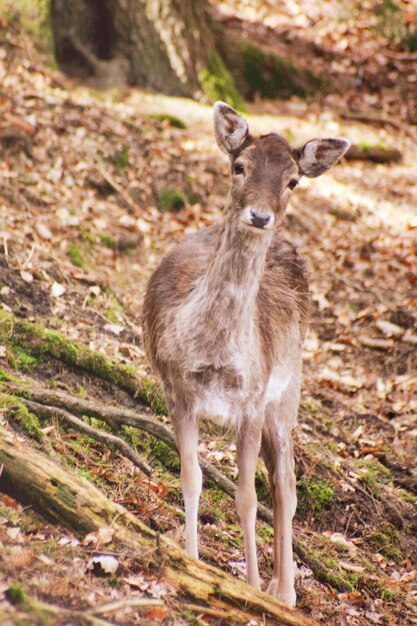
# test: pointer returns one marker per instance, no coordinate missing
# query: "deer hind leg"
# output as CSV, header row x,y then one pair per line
x,y
248,445
277,452
186,433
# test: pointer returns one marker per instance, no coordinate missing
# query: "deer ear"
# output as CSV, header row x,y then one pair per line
x,y
230,129
319,155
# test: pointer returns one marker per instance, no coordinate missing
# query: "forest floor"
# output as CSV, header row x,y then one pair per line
x,y
94,189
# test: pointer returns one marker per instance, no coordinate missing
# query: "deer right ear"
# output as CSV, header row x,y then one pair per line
x,y
230,129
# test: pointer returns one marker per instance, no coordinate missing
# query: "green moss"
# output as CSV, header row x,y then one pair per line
x,y
386,543
262,484
172,120
79,391
266,534
404,495
310,405
34,17
409,38
111,315
365,146
75,255
8,378
390,21
115,244
171,199
332,446
373,474
45,344
89,237
20,360
160,454
272,76
214,506
313,497
120,158
325,572
13,406
217,83
379,589
15,594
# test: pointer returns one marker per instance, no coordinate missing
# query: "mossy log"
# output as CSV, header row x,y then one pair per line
x,y
34,479
374,153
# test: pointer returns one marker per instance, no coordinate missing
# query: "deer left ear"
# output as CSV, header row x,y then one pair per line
x,y
230,128
319,155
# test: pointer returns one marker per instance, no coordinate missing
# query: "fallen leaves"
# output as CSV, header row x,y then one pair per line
x,y
102,536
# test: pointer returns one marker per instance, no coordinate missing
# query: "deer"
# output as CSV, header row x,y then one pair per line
x,y
224,319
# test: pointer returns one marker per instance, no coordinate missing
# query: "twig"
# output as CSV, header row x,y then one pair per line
x,y
84,616
107,438
376,293
134,208
205,610
134,602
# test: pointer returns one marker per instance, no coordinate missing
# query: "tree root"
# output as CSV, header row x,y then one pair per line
x,y
43,410
78,505
44,402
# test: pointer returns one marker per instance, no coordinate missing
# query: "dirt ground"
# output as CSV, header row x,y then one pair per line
x,y
84,219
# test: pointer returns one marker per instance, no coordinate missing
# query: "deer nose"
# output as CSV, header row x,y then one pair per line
x,y
259,220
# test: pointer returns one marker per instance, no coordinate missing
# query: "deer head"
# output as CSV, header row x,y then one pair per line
x,y
265,169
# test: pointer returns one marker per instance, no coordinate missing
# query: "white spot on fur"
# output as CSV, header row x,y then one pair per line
x,y
277,384
214,407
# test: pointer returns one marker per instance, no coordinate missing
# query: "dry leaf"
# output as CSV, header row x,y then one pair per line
x,y
103,563
43,231
102,536
350,567
158,612
26,276
10,502
22,558
57,290
14,532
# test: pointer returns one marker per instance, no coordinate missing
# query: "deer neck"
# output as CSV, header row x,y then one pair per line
x,y
234,274
216,326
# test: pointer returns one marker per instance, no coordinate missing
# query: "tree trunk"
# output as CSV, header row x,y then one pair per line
x,y
166,45
78,505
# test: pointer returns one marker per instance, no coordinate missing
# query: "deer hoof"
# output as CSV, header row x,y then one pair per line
x,y
285,594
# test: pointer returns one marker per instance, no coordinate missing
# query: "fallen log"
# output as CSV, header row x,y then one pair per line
x,y
63,497
376,154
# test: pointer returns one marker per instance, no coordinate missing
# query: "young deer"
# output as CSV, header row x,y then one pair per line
x,y
225,314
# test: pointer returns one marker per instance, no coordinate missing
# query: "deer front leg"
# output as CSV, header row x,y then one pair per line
x,y
277,451
248,444
186,433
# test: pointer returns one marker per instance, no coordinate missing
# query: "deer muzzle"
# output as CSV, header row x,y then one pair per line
x,y
257,218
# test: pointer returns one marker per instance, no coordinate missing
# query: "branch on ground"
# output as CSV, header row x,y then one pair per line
x,y
77,504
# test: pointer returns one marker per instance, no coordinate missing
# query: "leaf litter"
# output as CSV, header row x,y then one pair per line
x,y
61,185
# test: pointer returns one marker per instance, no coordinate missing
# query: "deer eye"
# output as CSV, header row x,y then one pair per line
x,y
238,168
293,183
